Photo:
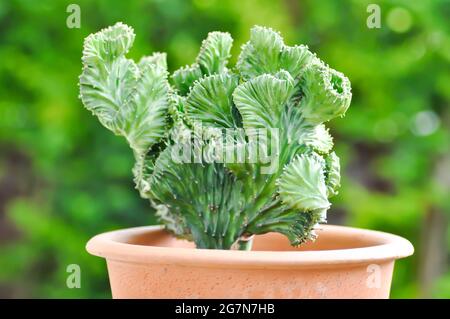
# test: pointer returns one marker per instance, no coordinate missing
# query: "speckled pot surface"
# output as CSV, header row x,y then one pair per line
x,y
344,262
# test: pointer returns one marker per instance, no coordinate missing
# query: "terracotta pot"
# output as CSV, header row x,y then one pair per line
x,y
344,262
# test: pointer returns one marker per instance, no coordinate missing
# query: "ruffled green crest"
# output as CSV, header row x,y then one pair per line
x,y
266,53
261,100
212,59
318,138
302,184
210,101
129,99
333,175
215,52
327,93
184,78
110,43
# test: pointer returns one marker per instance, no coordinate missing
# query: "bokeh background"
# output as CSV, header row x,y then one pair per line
x,y
63,178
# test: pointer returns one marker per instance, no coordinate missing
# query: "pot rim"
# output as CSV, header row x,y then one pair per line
x,y
113,246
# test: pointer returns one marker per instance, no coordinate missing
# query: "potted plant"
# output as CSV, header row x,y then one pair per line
x,y
238,164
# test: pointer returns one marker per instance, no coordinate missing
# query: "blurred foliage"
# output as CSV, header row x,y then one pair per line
x,y
63,178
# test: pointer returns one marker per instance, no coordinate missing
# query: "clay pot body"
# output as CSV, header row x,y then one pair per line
x,y
344,262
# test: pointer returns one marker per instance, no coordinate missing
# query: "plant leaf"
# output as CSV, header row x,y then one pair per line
x,y
212,58
146,120
131,100
157,58
184,78
210,101
261,100
333,175
317,137
108,78
261,54
277,217
215,52
108,44
302,184
296,59
327,93
266,53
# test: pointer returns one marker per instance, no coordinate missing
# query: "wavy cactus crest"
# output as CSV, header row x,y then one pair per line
x,y
216,200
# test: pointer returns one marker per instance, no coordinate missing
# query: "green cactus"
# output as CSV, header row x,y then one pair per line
x,y
223,152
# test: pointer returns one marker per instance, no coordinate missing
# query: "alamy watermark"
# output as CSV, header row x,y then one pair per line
x,y
73,20
374,19
374,278
74,278
232,146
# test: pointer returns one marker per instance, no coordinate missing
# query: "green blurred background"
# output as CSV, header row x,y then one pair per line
x,y
63,178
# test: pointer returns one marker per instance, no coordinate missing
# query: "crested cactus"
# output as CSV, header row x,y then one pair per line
x,y
223,152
